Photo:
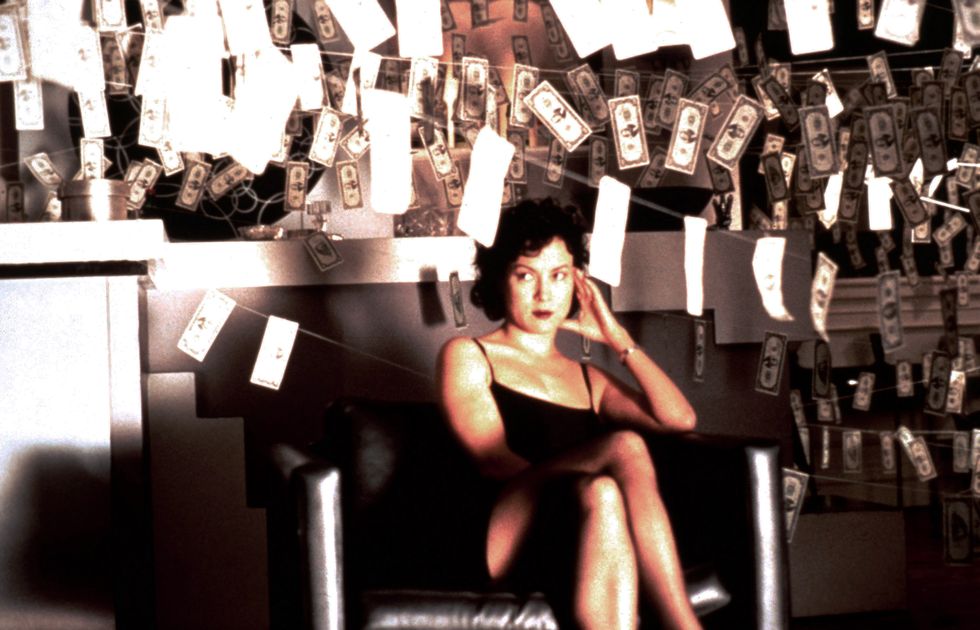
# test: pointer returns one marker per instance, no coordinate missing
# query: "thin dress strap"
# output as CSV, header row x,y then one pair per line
x,y
588,384
487,357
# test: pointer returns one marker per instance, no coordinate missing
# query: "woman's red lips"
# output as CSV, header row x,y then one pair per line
x,y
542,314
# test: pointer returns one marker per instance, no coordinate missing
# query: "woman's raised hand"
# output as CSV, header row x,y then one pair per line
x,y
596,320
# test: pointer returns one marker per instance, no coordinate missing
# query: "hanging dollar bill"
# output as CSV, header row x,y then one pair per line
x,y
852,446
525,80
521,47
700,348
456,299
938,384
685,142
853,247
971,85
672,91
41,166
517,173
862,396
948,307
453,187
887,441
721,178
796,405
772,144
775,177
741,47
422,70
557,116
904,194
654,173
945,233
965,173
296,175
821,370
630,137
626,82
146,179
852,188
949,69
772,113
918,453
326,138
92,153
903,379
13,63
438,153
824,448
821,293
794,491
932,144
899,21
710,89
192,187
819,140
737,131
771,360
28,105
884,141
322,251
598,160
476,77
958,123
205,324
957,388
349,184
865,15
890,311
554,172
781,100
226,179
957,527
881,72
651,103
326,28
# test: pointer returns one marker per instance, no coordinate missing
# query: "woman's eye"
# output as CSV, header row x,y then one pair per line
x,y
561,275
523,276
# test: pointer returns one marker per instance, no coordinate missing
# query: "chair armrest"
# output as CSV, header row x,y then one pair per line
x,y
724,497
309,531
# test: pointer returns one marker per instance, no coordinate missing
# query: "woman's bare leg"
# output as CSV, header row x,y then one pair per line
x,y
606,580
653,538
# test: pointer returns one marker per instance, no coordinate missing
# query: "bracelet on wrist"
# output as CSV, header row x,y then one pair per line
x,y
627,352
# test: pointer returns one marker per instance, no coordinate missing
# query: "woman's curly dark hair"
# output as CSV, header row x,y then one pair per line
x,y
524,230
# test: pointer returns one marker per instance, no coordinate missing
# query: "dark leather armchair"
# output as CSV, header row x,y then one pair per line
x,y
381,525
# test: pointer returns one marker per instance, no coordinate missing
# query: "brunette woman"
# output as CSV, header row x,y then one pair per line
x,y
547,427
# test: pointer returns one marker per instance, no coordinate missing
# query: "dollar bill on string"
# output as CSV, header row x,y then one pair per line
x,y
887,441
794,491
772,113
821,370
865,15
626,83
881,257
685,142
322,251
932,143
852,446
525,80
741,47
853,186
899,21
520,10
672,90
473,89
771,360
886,154
700,348
775,176
958,122
721,178
554,172
651,103
890,311
349,184
864,391
957,390
517,173
654,173
28,105
905,388
146,179
824,448
92,155
949,309
909,202
582,79
773,143
326,138
938,384
599,160
325,30
192,186
206,323
557,115
782,101
274,351
521,47
356,142
297,172
918,453
958,528
628,133
713,86
796,405
13,60
881,72
453,187
767,264
456,299
853,248
818,138
736,132
42,168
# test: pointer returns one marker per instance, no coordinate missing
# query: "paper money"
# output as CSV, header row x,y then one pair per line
x,y
557,115
92,153
525,80
949,68
908,202
423,70
598,160
145,180
821,370
95,115
965,175
473,90
771,360
815,94
887,442
821,293
41,166
957,531
226,179
865,15
974,448
685,142
356,142
775,177
326,28
881,257
192,187
654,173
971,85
583,80
862,396
819,140
520,11
948,306
295,188
796,405
557,40
938,384
772,113
741,47
932,144
890,311
206,323
277,345
884,141
479,13
903,379
626,83
881,72
326,138
945,233
672,91
438,153
28,105
824,448
781,100
957,389
958,122
853,247
349,184
456,299
918,453
13,63
713,86
899,21
630,137
554,172
322,251
794,491
281,21
721,178
521,47
851,444
772,144
737,132
700,351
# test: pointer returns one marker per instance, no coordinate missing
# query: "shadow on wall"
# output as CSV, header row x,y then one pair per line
x,y
55,538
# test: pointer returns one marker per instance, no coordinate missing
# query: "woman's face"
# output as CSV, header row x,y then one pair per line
x,y
539,289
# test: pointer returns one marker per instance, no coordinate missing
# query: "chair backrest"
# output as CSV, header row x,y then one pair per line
x,y
414,504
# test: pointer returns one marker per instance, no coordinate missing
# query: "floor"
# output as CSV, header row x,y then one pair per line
x,y
939,596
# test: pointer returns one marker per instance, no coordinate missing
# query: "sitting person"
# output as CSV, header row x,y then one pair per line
x,y
549,429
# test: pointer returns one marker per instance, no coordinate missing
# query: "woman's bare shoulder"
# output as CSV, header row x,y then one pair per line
x,y
461,360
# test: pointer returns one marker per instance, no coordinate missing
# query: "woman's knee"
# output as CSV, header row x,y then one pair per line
x,y
628,450
600,492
